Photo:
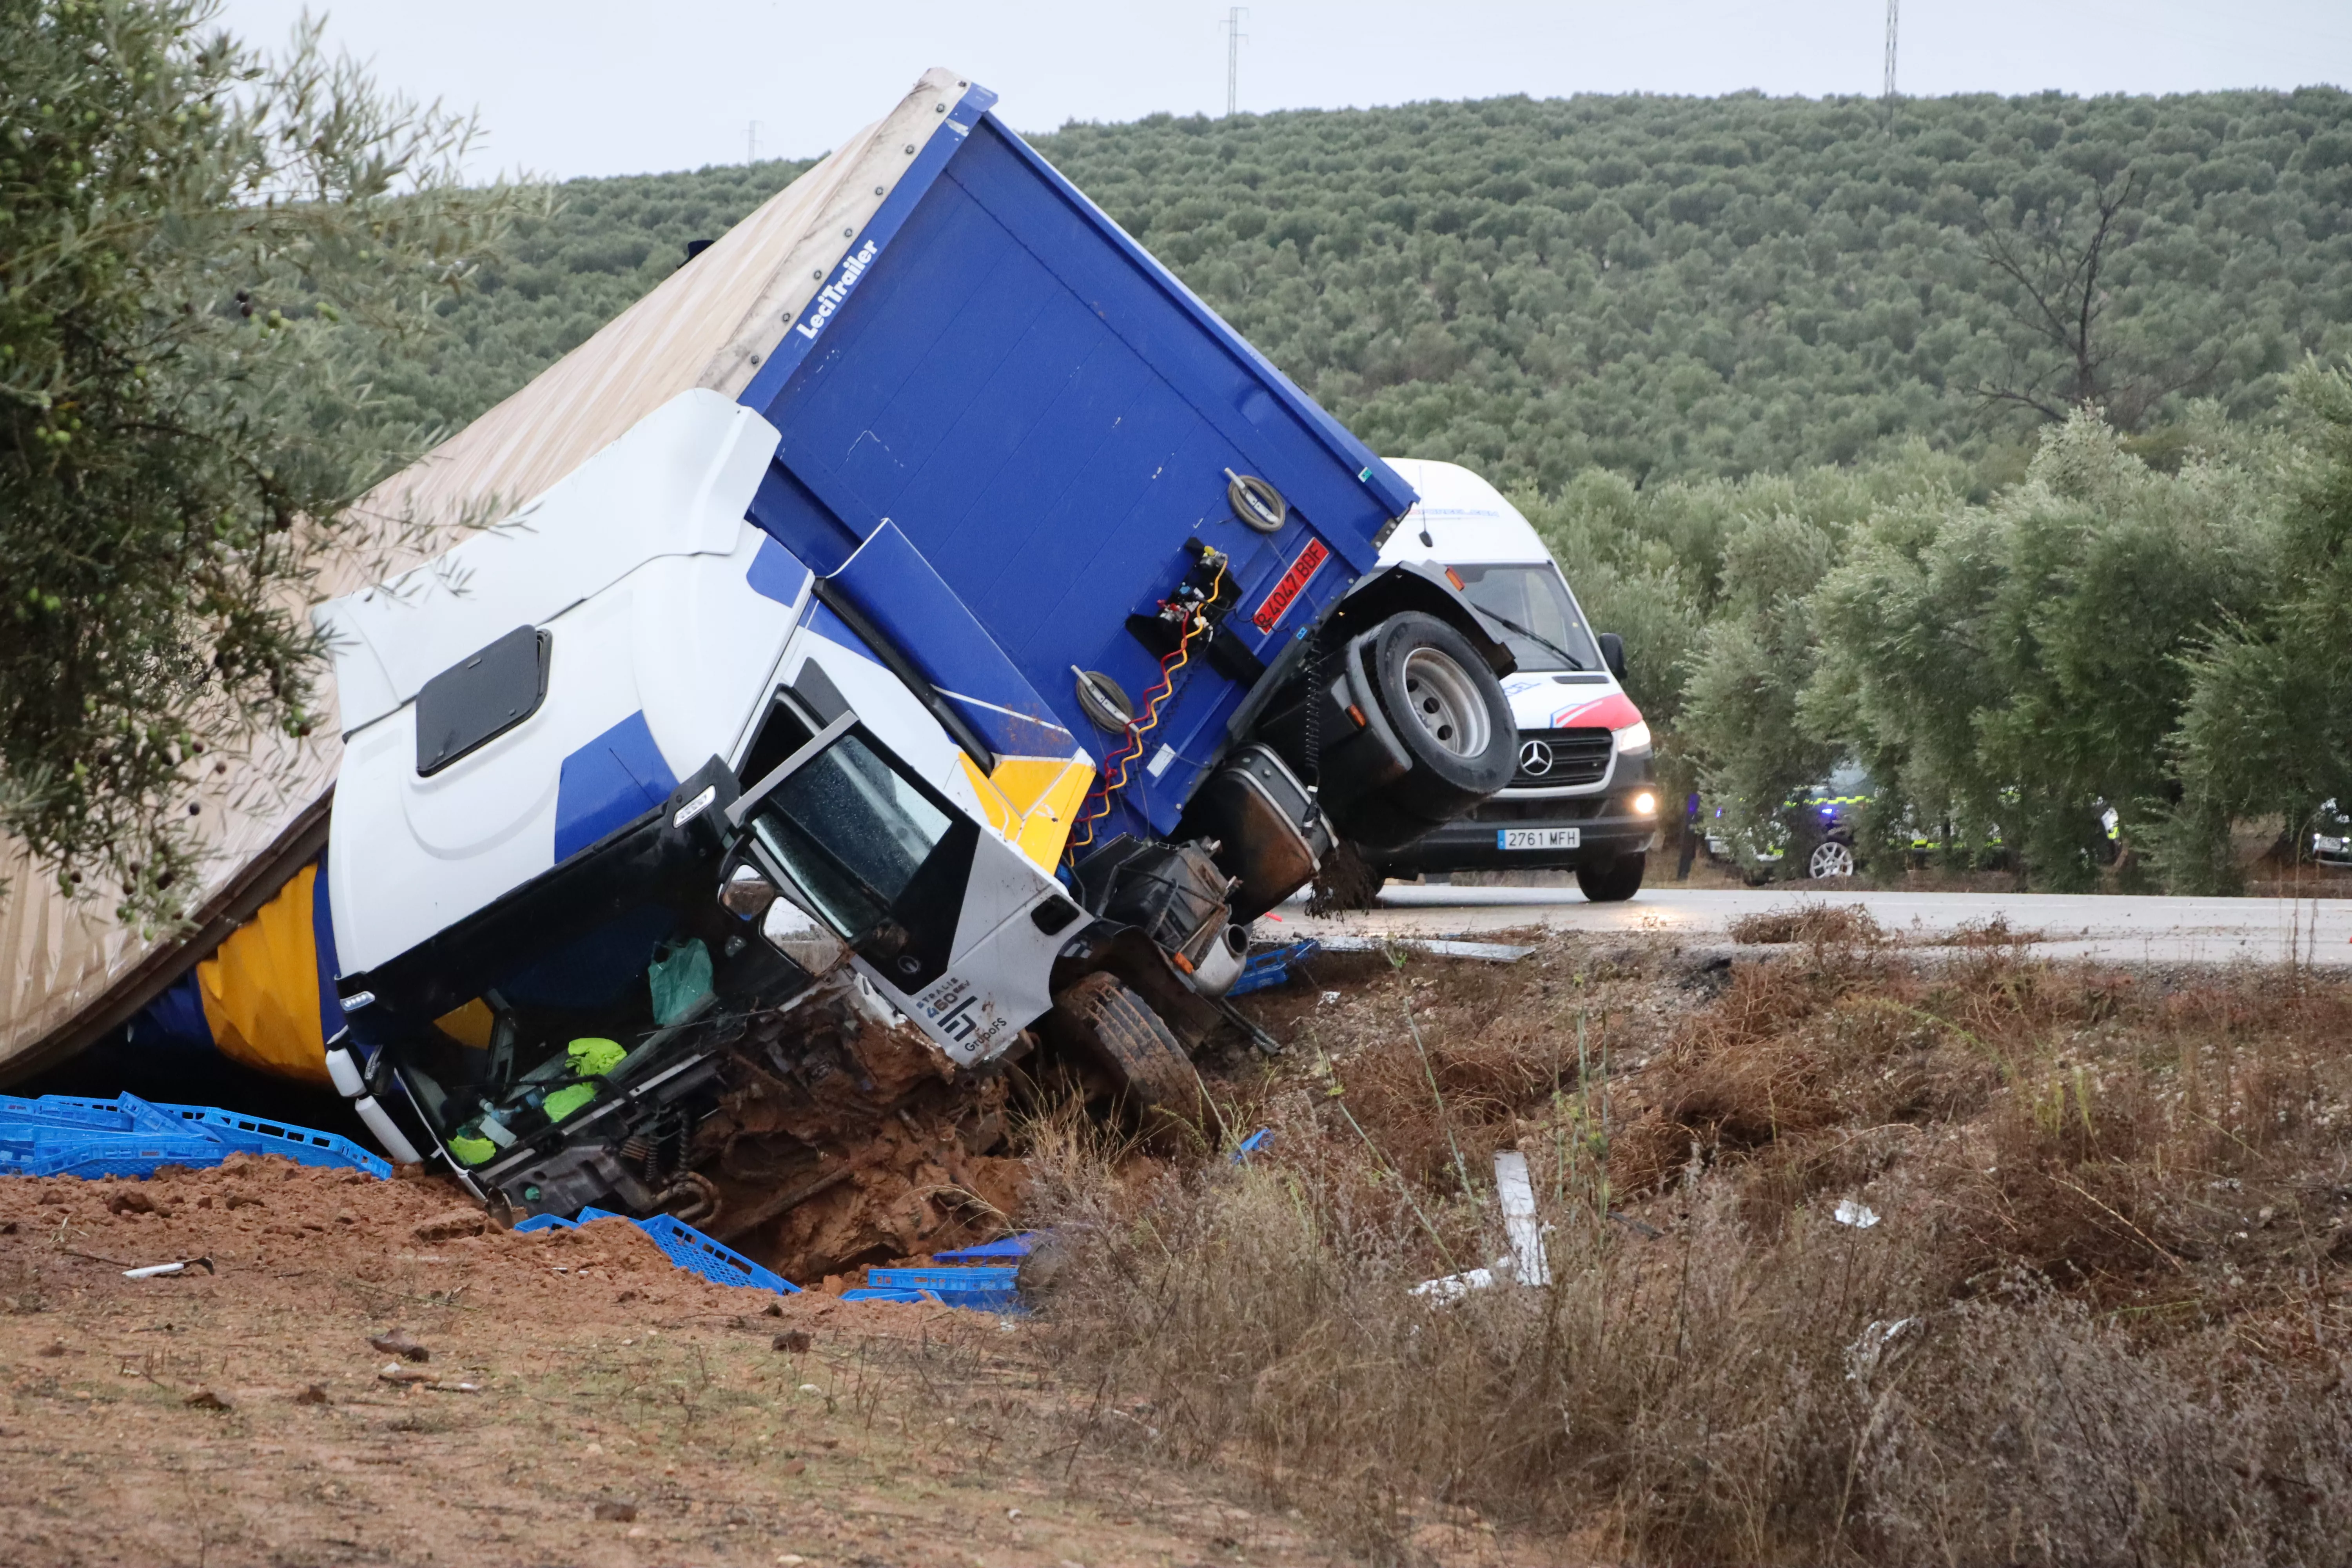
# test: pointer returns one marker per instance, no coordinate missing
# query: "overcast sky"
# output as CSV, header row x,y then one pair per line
x,y
598,87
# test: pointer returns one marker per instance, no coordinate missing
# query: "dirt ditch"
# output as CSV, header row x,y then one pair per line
x,y
1858,1253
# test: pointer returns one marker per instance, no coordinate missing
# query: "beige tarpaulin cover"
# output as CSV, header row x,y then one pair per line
x,y
68,970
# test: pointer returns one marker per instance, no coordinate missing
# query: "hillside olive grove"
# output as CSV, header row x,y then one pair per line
x,y
1665,288
1795,389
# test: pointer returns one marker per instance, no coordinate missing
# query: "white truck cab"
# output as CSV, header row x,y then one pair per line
x,y
1582,796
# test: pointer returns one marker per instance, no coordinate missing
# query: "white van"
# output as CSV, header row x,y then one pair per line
x,y
1583,797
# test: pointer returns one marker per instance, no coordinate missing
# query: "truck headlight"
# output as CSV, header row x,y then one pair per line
x,y
1645,804
1634,737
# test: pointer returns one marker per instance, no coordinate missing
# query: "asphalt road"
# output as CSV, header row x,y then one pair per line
x,y
2143,930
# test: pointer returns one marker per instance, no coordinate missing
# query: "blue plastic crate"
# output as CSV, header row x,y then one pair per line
x,y
944,1280
1252,1144
64,1135
303,1145
121,1157
682,1245
1266,970
689,1249
57,1111
1020,1245
986,1290
867,1293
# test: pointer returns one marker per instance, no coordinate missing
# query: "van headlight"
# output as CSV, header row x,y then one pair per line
x,y
1645,804
1634,737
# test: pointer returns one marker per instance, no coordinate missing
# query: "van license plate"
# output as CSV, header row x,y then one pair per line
x,y
1538,837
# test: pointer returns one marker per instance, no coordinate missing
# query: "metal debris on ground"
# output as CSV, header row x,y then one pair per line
x,y
1526,1264
1518,1202
158,1271
65,1135
1433,947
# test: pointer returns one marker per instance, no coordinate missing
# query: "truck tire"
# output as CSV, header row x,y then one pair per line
x,y
1449,713
1613,880
1120,1033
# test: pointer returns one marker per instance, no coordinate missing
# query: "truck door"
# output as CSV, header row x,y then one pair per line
x,y
951,923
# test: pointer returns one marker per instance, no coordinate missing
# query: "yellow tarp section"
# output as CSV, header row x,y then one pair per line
x,y
261,989
1033,801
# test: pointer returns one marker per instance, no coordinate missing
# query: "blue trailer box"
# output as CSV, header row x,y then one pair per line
x,y
1049,417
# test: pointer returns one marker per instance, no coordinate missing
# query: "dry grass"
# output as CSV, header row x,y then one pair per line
x,y
1806,921
2103,1318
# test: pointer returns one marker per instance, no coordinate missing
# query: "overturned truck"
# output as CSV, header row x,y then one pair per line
x,y
950,662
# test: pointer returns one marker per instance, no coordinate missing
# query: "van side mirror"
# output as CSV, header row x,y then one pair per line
x,y
1612,654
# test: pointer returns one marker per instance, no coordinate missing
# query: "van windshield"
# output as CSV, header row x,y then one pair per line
x,y
1531,607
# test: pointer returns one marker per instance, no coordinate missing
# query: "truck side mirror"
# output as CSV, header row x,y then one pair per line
x,y
1612,654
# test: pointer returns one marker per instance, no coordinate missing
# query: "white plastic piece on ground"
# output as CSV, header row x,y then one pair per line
x,y
388,1135
154,1271
1526,1264
1518,1200
1859,1215
1880,1345
345,1072
1453,1287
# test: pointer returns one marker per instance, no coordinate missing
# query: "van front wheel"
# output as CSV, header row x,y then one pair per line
x,y
1613,881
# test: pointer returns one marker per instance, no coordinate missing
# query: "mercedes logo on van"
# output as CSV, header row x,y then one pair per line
x,y
1535,759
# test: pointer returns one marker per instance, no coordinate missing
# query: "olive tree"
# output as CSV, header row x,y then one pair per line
x,y
191,237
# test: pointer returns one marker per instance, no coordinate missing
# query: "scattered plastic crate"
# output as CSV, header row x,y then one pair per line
x,y
982,1289
62,1135
1020,1245
990,1289
1272,968
1252,1144
683,1246
303,1145
941,1279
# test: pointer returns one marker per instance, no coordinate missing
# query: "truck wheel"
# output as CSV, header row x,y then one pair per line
x,y
1449,713
1613,880
1120,1033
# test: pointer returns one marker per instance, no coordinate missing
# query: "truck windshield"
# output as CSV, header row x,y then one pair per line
x,y
1537,616
851,831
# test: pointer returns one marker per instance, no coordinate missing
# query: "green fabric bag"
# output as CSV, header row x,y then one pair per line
x,y
680,979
